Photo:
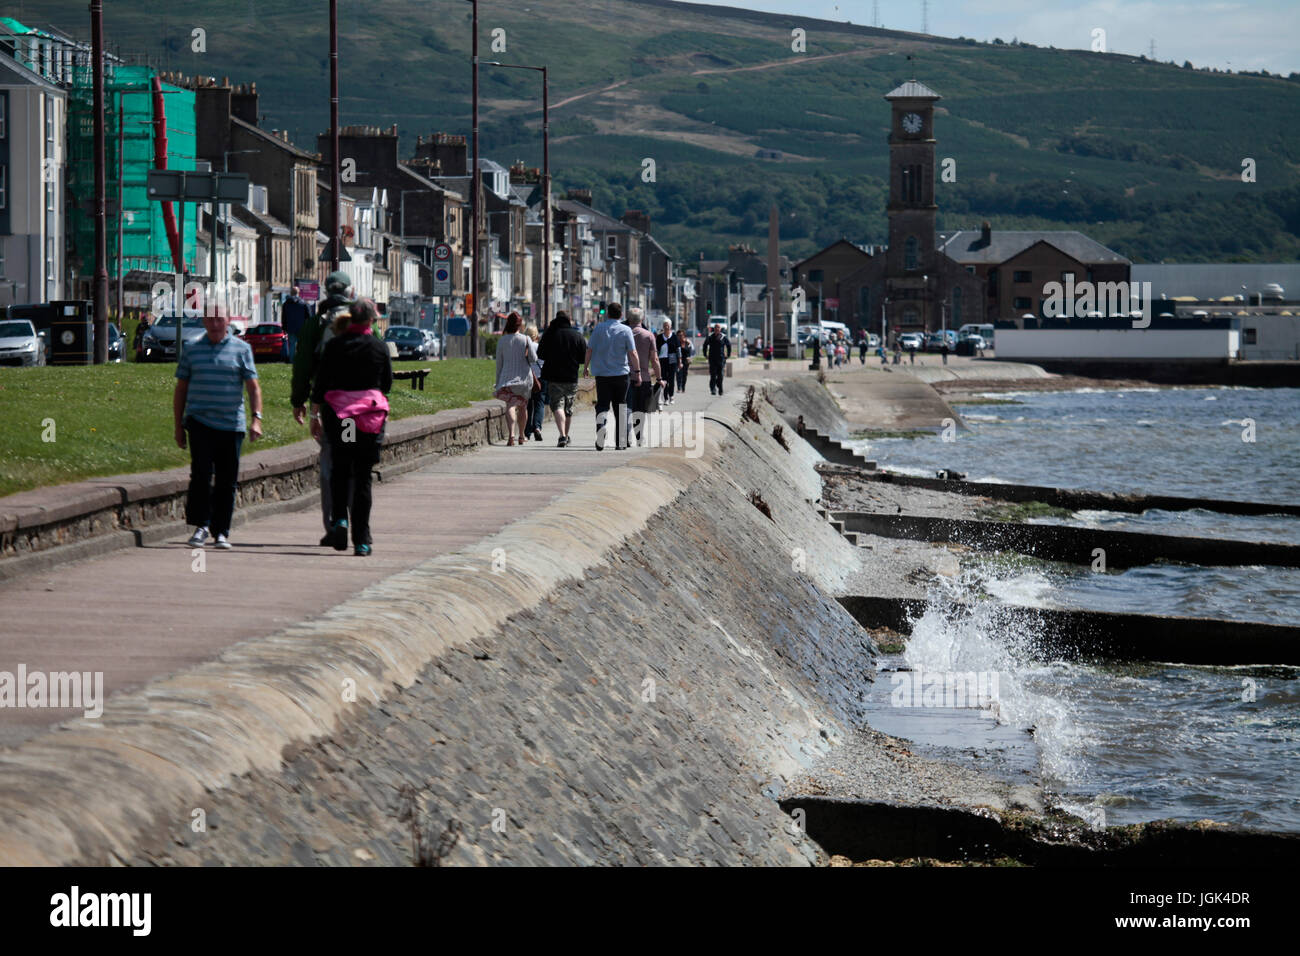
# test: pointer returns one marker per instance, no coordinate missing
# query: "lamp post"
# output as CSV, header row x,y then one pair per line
x,y
546,180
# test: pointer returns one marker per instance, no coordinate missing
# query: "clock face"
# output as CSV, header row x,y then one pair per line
x,y
912,123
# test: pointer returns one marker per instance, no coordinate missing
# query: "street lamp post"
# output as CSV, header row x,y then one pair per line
x,y
546,180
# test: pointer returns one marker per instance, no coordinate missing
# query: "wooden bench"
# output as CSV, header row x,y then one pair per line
x,y
416,375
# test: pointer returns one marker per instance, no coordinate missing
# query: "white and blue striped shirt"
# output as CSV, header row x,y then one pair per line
x,y
217,374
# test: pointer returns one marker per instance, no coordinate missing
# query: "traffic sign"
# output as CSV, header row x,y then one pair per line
x,y
442,279
442,252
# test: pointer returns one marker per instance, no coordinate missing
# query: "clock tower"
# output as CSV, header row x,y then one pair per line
x,y
911,262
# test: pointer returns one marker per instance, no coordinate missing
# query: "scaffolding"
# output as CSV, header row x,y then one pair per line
x,y
128,146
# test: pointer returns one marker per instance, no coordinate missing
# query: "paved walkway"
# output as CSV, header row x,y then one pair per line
x,y
140,613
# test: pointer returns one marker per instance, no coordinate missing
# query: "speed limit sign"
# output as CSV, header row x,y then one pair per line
x,y
442,252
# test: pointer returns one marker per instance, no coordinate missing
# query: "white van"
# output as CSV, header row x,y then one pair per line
x,y
984,330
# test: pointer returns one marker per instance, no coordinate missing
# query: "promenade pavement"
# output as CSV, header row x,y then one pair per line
x,y
140,613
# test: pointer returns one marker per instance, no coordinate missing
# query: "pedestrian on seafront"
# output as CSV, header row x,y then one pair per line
x,y
641,382
684,351
306,360
537,400
717,349
611,357
669,347
561,352
294,316
862,349
208,410
349,409
514,383
943,350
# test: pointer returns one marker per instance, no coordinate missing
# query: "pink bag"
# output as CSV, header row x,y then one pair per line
x,y
367,407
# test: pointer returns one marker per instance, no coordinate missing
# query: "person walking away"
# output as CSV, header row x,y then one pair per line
x,y
138,339
898,353
349,409
306,360
611,357
208,411
717,349
294,315
641,384
862,349
943,350
684,352
514,383
669,348
816,342
561,352
537,400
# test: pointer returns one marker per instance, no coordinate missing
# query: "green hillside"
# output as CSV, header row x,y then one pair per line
x,y
1144,156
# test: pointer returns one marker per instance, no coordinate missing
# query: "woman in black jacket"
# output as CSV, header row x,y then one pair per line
x,y
669,358
350,407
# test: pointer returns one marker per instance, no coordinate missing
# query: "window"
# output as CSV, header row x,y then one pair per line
x,y
911,253
1249,334
49,127
1022,302
956,305
911,317
1022,275
49,259
911,183
611,247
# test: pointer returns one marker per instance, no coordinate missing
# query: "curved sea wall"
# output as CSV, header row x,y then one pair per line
x,y
630,675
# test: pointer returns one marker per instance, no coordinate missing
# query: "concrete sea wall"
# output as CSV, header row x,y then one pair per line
x,y
629,675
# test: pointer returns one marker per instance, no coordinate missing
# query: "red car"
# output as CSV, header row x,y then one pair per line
x,y
268,342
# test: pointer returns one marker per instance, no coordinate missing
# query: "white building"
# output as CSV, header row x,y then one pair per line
x,y
33,176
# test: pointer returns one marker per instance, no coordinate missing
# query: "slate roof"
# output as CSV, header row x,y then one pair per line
x,y
912,90
967,246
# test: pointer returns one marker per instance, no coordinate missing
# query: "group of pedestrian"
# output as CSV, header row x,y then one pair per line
x,y
339,365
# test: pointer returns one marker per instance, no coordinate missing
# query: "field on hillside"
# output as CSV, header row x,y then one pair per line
x,y
1141,154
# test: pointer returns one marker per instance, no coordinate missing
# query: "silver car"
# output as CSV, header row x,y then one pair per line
x,y
158,344
19,343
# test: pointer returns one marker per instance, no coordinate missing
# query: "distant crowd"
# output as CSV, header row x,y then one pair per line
x,y
342,374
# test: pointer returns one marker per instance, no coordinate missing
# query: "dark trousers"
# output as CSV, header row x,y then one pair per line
x,y
638,399
716,372
536,411
214,474
352,466
611,394
682,371
670,378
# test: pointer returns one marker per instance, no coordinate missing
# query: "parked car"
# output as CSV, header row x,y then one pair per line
x,y
159,340
975,339
409,340
269,341
910,341
19,343
873,340
934,341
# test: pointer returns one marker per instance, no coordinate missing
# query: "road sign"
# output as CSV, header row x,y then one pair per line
x,y
442,252
442,279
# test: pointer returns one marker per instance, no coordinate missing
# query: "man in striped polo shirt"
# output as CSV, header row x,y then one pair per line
x,y
208,404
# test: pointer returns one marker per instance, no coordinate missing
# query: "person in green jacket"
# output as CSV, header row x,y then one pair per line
x,y
318,330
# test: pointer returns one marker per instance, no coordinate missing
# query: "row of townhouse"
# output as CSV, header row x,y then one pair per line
x,y
394,212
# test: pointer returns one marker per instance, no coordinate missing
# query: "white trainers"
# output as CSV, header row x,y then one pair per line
x,y
199,538
224,542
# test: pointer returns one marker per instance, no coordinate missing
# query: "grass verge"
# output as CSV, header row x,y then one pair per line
x,y
117,419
